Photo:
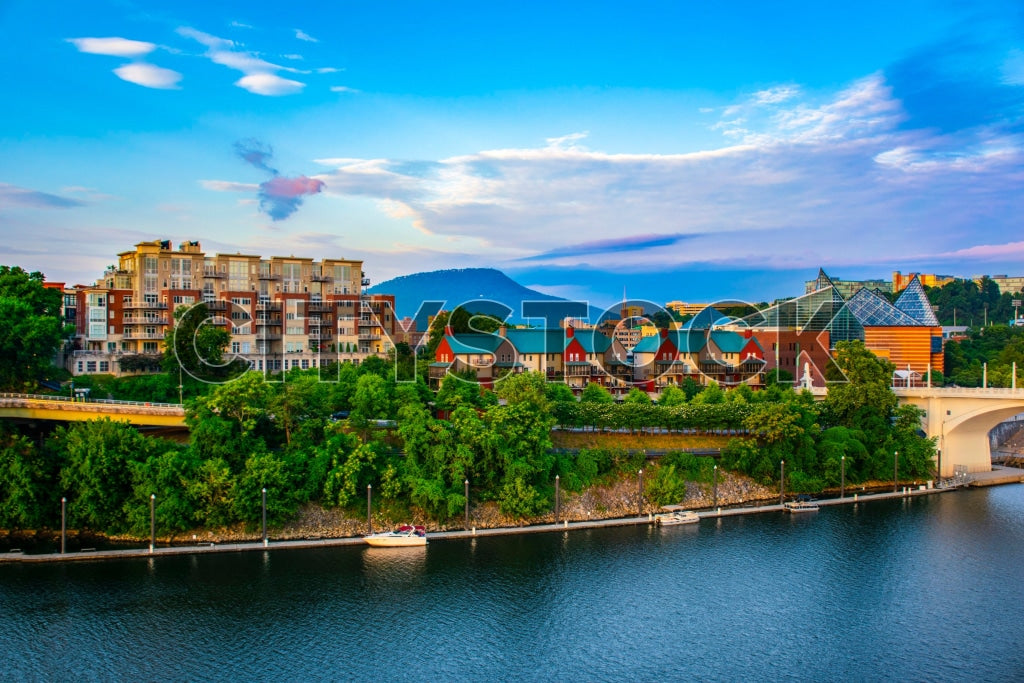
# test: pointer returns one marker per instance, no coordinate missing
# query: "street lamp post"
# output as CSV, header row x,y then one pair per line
x,y
264,516
369,509
895,469
782,482
714,501
842,477
152,521
640,498
63,525
181,387
558,481
466,485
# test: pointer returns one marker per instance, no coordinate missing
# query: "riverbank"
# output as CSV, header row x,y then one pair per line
x,y
200,548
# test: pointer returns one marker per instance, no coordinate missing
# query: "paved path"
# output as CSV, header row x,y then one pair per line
x,y
207,548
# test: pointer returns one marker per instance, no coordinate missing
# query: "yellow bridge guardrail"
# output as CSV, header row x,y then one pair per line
x,y
67,409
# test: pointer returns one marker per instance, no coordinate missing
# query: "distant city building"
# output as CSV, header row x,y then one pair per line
x,y
1006,283
847,288
685,309
900,281
282,312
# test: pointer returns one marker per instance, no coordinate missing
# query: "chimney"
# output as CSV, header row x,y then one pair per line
x,y
569,332
448,331
503,331
748,333
664,334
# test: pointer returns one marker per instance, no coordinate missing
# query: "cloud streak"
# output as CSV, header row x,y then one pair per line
x,y
12,196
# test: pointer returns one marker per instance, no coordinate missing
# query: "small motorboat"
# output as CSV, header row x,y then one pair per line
x,y
402,537
676,517
801,506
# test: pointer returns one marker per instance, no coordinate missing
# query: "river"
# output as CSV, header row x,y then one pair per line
x,y
924,589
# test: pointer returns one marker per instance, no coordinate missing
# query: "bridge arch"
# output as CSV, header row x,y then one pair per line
x,y
961,419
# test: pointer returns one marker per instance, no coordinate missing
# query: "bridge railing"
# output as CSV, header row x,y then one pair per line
x,y
107,401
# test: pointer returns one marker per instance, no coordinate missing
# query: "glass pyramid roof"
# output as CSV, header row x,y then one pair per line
x,y
914,302
873,310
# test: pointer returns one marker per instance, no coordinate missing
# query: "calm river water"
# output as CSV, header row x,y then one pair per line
x,y
928,589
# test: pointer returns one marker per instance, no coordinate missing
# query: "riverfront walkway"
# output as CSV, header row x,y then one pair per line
x,y
207,548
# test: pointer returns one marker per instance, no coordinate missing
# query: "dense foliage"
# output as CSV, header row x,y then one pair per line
x,y
30,328
998,347
282,434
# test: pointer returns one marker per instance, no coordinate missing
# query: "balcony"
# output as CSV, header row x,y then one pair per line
x,y
268,336
268,322
365,282
142,305
366,336
142,335
145,321
268,306
212,272
579,369
269,276
320,336
368,323
218,305
321,278
320,307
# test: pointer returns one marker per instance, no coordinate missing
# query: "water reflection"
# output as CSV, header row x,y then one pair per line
x,y
817,596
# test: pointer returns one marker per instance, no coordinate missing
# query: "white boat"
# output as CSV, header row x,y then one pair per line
x,y
402,537
801,506
676,517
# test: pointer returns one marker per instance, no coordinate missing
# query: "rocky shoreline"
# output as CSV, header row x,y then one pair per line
x,y
616,500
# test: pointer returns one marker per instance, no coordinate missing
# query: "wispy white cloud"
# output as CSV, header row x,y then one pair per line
x,y
302,35
328,70
113,47
138,72
343,88
148,75
269,84
260,76
229,186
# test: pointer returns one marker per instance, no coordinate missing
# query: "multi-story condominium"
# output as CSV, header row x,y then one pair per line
x,y
282,312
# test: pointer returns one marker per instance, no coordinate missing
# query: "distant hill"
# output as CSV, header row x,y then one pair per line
x,y
474,288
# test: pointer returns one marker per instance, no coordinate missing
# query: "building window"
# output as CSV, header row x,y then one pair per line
x,y
90,366
104,366
235,347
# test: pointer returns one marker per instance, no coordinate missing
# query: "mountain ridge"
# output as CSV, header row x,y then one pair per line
x,y
489,287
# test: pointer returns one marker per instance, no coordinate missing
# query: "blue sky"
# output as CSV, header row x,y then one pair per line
x,y
682,150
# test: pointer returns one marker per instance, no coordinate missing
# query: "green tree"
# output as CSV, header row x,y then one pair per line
x,y
672,396
595,393
861,398
27,479
96,475
165,475
30,328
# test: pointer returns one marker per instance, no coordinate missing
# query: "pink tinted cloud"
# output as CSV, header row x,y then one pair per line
x,y
280,196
